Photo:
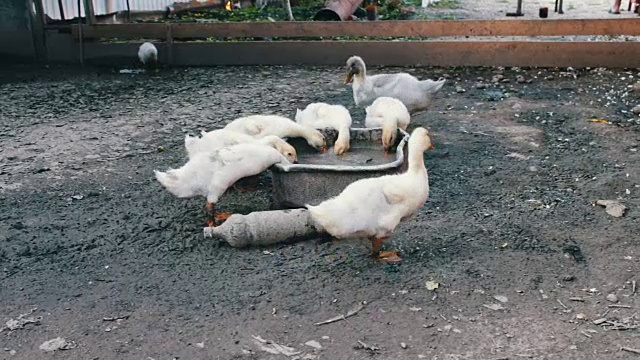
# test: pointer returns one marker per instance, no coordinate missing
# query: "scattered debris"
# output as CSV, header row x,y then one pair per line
x,y
581,316
403,345
561,304
619,306
600,121
21,321
501,298
518,156
273,348
535,204
576,299
628,349
314,344
57,344
599,321
432,285
415,309
362,346
612,298
612,207
200,345
115,318
494,307
341,317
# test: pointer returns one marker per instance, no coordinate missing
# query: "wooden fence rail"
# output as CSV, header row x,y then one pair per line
x,y
332,29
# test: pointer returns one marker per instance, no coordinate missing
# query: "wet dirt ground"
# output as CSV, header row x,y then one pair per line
x,y
87,233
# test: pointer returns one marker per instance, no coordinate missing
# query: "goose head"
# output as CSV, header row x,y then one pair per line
x,y
421,139
317,140
283,147
355,67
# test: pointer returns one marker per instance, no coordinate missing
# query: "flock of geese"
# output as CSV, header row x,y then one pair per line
x,y
247,146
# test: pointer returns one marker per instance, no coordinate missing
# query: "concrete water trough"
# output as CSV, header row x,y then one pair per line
x,y
317,177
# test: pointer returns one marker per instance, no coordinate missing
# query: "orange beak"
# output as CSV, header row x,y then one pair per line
x,y
324,149
432,147
348,77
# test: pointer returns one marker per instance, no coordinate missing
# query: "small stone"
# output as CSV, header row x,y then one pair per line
x,y
568,278
505,81
497,78
460,89
200,345
581,316
481,85
636,110
403,345
501,298
612,298
636,86
599,321
520,79
314,344
549,78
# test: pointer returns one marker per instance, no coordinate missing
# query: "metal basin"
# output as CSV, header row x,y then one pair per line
x,y
317,177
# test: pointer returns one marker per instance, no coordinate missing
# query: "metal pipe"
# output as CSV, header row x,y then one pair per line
x,y
128,12
61,8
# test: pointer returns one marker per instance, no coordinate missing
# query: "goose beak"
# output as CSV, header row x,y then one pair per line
x,y
348,77
324,149
432,147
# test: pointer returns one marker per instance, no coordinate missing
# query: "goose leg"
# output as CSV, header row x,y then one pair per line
x,y
213,218
386,256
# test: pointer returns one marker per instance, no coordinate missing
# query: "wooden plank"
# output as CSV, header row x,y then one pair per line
x,y
438,28
415,53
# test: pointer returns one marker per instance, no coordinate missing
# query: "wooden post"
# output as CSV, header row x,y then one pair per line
x,y
38,32
80,43
89,13
169,45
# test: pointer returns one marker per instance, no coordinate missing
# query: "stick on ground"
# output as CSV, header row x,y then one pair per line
x,y
635,351
341,317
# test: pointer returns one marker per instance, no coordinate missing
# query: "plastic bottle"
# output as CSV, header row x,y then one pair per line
x,y
264,228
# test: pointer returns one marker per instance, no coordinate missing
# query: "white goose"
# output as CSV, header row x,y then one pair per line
x,y
415,94
322,115
389,114
373,207
211,174
217,139
148,54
